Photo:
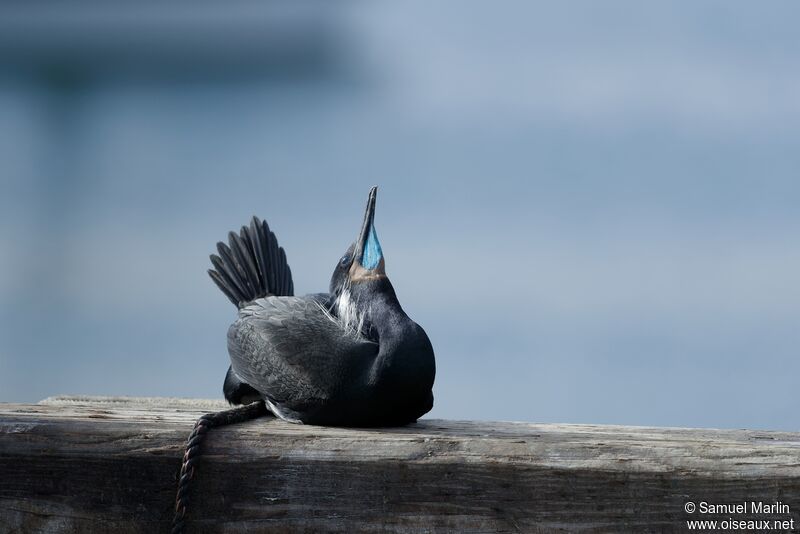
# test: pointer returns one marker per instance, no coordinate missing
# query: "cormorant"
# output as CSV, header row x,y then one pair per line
x,y
350,357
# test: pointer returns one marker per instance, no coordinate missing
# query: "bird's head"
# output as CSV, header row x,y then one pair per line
x,y
363,261
360,276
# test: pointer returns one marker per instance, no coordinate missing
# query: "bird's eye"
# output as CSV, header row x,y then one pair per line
x,y
345,260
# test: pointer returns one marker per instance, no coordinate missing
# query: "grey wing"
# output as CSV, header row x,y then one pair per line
x,y
293,352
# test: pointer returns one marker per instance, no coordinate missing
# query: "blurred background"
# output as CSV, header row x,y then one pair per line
x,y
592,208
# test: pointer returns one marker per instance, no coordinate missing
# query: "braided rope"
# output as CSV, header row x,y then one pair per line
x,y
192,454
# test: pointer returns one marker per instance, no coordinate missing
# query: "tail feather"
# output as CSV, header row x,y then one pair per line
x,y
255,270
228,277
246,263
233,269
252,265
223,286
286,277
261,246
272,257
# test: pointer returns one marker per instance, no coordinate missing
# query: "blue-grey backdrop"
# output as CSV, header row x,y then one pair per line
x,y
592,208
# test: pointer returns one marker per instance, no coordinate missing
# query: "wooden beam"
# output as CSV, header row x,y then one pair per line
x,y
84,464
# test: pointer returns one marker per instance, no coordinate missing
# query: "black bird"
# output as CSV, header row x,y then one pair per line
x,y
350,357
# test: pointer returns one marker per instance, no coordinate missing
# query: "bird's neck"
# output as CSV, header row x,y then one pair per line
x,y
405,355
386,316
404,367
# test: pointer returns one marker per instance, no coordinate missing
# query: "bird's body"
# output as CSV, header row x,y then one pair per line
x,y
350,357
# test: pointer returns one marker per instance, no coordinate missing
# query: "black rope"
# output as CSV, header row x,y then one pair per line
x,y
192,454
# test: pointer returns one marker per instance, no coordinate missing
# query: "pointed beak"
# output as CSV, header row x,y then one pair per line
x,y
368,253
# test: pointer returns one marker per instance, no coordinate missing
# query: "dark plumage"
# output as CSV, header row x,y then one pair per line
x,y
350,357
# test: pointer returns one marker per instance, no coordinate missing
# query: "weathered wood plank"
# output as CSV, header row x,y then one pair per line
x,y
110,465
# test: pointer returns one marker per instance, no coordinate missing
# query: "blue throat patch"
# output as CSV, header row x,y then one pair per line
x,y
372,251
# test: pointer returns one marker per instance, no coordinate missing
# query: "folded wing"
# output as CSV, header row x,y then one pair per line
x,y
296,355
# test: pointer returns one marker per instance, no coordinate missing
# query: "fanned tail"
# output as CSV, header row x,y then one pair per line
x,y
252,265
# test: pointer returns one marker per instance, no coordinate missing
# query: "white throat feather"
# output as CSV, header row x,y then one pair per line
x,y
350,319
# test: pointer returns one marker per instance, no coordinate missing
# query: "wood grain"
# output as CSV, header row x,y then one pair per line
x,y
87,464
